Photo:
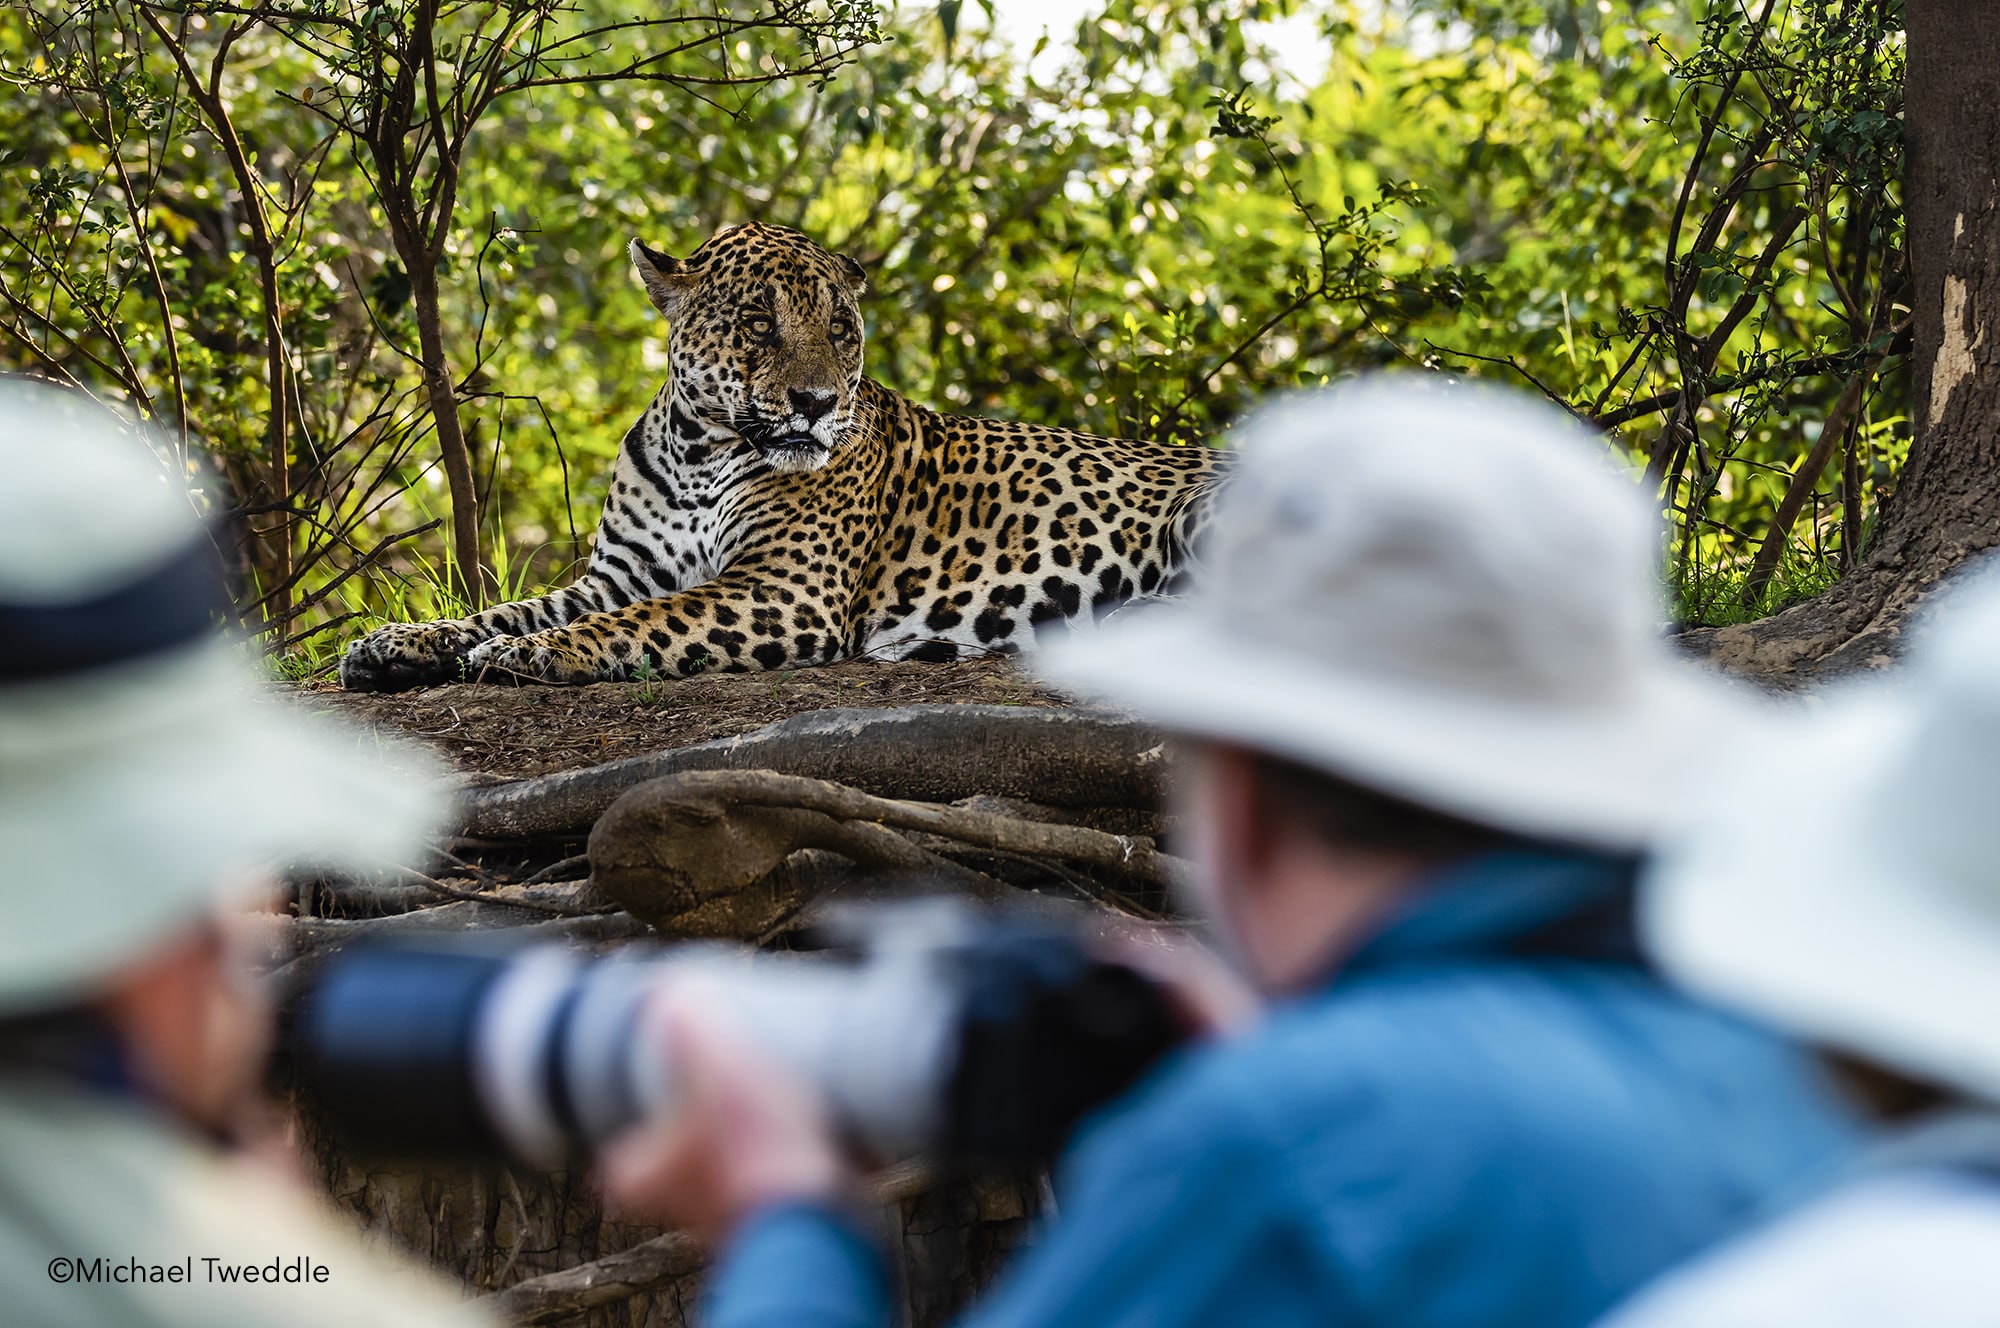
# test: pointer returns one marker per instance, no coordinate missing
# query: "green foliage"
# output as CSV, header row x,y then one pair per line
x,y
1718,593
1686,226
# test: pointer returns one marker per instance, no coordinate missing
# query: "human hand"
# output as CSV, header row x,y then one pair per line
x,y
747,1132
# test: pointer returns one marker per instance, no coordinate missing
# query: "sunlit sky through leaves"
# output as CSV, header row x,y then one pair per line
x,y
1295,45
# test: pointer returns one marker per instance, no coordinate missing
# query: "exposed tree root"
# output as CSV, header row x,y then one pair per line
x,y
1062,758
683,847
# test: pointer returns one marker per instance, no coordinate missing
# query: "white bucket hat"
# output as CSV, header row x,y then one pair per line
x,y
145,772
1444,592
1856,899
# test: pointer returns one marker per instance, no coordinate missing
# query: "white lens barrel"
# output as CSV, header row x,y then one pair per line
x,y
511,1049
878,1038
607,1057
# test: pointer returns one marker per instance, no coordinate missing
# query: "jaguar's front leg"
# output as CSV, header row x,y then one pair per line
x,y
559,655
405,655
738,623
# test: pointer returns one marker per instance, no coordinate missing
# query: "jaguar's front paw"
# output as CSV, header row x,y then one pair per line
x,y
405,655
543,657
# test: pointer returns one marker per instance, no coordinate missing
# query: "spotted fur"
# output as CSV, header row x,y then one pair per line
x,y
774,507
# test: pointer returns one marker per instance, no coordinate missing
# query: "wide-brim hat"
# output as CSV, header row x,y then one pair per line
x,y
148,774
1855,898
1445,592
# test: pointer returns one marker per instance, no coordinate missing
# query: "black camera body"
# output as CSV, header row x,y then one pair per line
x,y
928,1027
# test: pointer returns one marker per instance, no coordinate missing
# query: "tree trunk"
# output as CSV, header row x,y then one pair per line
x,y
453,452
1947,505
269,549
495,1227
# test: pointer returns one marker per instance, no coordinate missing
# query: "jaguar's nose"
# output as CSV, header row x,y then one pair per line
x,y
814,404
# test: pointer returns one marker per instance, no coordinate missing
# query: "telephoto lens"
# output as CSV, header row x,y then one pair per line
x,y
933,1028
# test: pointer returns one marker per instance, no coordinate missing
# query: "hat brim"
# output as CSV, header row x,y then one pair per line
x,y
170,787
1799,908
1611,776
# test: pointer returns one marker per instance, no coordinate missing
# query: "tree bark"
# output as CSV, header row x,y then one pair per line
x,y
537,1247
1946,508
634,1271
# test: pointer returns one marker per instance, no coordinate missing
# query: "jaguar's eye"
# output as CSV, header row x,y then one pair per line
x,y
760,327
840,329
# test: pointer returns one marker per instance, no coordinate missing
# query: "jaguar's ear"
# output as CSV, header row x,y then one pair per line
x,y
851,272
666,278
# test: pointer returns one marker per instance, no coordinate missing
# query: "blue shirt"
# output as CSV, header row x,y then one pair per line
x,y
1492,1115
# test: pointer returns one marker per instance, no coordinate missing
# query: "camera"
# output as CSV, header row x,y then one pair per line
x,y
929,1027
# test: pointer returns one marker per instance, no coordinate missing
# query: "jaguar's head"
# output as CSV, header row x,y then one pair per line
x,y
765,341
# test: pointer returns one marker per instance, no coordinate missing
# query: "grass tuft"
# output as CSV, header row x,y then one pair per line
x,y
1713,596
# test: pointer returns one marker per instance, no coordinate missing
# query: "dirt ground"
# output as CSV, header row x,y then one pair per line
x,y
495,733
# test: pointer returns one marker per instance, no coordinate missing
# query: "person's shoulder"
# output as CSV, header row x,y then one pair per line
x,y
1894,1248
1456,1032
1472,1058
1372,1046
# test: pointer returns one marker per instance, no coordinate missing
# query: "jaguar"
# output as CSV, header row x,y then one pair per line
x,y
775,507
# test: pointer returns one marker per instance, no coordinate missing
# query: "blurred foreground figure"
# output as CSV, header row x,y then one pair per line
x,y
145,789
1857,901
1429,726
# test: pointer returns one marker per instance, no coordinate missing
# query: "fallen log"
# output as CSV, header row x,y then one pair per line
x,y
939,753
634,1271
295,947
